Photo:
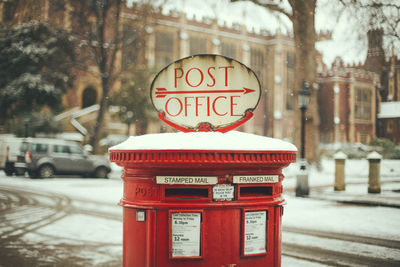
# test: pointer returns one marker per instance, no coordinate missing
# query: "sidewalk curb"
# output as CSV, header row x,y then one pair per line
x,y
359,202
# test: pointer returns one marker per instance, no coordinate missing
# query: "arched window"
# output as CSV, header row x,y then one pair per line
x,y
89,97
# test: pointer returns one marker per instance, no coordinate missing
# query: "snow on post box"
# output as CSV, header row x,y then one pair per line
x,y
205,196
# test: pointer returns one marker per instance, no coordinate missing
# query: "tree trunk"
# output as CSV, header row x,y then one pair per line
x,y
107,20
95,136
304,37
141,127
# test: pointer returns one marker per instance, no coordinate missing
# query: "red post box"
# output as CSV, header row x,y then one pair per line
x,y
202,199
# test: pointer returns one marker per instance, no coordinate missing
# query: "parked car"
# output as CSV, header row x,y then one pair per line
x,y
9,150
46,157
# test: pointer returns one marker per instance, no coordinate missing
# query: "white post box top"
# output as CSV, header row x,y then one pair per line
x,y
230,141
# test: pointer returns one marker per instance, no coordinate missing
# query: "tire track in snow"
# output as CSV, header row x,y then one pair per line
x,y
30,211
337,249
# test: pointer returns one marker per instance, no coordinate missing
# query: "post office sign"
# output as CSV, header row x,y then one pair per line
x,y
205,93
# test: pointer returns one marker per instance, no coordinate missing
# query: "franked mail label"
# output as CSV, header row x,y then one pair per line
x,y
186,234
200,180
255,179
255,232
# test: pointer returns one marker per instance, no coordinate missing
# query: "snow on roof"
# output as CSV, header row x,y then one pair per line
x,y
389,110
228,13
231,141
71,136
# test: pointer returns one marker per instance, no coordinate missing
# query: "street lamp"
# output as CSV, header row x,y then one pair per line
x,y
302,177
304,100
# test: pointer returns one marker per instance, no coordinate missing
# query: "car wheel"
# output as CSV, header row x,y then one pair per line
x,y
19,171
32,174
8,172
9,169
101,172
46,171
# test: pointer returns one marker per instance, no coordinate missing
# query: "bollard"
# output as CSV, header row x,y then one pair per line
x,y
302,189
374,176
340,162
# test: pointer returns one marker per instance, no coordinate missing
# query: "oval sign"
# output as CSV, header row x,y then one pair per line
x,y
205,93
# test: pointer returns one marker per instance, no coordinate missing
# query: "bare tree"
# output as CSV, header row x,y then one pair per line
x,y
302,16
98,28
377,14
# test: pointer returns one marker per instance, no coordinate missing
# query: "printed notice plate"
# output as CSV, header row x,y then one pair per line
x,y
255,232
187,180
223,192
255,179
186,234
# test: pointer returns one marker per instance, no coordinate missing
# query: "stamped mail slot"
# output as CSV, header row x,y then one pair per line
x,y
186,193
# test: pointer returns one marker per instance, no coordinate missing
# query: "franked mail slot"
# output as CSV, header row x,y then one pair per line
x,y
255,191
187,193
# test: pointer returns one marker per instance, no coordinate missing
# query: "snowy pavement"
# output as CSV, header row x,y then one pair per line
x,y
329,231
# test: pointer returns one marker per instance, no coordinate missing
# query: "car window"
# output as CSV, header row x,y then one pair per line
x,y
60,149
76,150
39,148
24,147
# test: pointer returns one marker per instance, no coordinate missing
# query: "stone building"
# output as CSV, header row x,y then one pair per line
x,y
347,104
347,96
388,125
388,91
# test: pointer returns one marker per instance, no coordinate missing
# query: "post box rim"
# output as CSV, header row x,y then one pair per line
x,y
238,157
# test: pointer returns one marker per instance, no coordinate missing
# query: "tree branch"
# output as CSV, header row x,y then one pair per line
x,y
270,6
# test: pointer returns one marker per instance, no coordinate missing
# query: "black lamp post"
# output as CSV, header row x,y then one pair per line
x,y
26,127
302,178
304,100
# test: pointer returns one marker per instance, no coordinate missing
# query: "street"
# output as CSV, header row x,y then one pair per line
x,y
44,228
77,222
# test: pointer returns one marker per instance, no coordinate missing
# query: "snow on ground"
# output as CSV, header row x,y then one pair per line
x,y
329,215
382,222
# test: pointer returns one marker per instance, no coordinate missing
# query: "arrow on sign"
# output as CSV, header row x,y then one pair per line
x,y
162,92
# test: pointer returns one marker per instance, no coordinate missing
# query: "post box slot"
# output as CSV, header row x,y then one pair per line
x,y
255,191
186,193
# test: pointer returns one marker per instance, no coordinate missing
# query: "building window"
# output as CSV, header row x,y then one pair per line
x,y
34,12
89,97
257,61
198,45
389,127
291,60
363,104
290,79
57,5
228,50
9,9
364,138
164,48
129,46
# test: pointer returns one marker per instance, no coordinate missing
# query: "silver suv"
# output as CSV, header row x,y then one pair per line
x,y
46,157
